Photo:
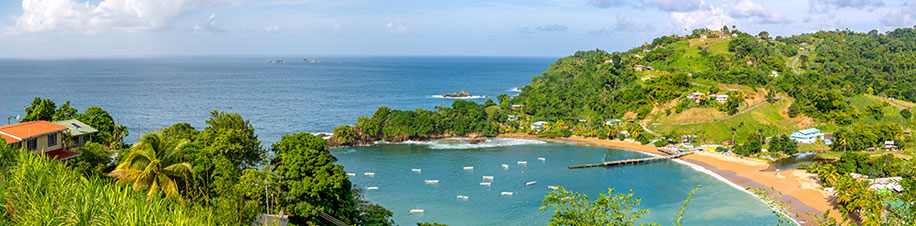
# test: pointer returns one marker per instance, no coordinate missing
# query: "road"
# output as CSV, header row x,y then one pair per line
x,y
796,60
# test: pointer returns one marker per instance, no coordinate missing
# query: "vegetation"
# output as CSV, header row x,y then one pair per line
x,y
153,166
609,209
45,109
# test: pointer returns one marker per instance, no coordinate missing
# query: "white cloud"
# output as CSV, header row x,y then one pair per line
x,y
607,3
625,24
677,5
826,5
273,28
209,26
903,17
396,28
729,13
824,21
335,27
127,15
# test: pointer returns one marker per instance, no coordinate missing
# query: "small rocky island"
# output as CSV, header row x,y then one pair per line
x,y
461,94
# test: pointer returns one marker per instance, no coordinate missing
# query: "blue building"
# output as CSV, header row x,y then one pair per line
x,y
807,136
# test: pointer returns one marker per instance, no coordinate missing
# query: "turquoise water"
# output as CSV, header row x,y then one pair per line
x,y
661,186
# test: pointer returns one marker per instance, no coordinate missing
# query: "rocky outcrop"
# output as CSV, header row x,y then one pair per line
x,y
457,94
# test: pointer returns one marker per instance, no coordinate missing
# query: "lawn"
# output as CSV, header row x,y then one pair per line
x,y
767,117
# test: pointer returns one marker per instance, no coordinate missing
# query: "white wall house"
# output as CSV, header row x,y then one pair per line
x,y
807,136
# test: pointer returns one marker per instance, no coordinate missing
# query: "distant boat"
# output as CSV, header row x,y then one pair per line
x,y
462,197
416,210
505,166
351,174
270,61
372,188
485,183
468,168
315,60
371,174
551,187
522,162
542,159
530,183
431,181
487,177
416,170
279,61
506,193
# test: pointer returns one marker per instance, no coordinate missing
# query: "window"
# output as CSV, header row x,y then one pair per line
x,y
52,139
32,144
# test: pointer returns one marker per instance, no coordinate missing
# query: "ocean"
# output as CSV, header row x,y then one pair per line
x,y
148,94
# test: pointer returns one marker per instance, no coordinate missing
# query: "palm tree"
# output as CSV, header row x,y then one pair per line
x,y
153,165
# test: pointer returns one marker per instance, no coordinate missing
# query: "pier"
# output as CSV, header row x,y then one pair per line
x,y
633,161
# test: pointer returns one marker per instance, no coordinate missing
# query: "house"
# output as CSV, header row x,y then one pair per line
x,y
623,133
728,142
609,61
638,56
513,118
646,50
702,36
688,138
639,68
681,37
80,133
648,77
774,74
886,184
890,145
40,137
721,98
518,106
612,122
807,136
538,126
582,121
734,35
696,96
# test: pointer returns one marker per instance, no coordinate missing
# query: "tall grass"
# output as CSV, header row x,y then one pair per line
x,y
36,190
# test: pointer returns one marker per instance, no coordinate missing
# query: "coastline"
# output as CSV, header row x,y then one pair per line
x,y
798,187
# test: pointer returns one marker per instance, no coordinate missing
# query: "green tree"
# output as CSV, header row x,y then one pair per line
x,y
311,181
906,114
65,112
575,209
153,165
732,104
100,119
370,214
233,137
41,109
94,160
875,110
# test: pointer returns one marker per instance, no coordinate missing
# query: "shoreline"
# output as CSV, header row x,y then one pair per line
x,y
798,187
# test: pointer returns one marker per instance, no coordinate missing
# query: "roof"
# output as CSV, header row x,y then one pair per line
x,y
61,154
76,127
21,131
809,131
539,123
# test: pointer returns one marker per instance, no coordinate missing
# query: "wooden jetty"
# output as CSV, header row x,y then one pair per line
x,y
633,161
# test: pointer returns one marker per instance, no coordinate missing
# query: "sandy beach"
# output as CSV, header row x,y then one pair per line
x,y
798,187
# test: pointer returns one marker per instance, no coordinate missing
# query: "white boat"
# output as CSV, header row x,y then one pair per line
x,y
487,177
506,193
485,184
369,174
551,187
416,170
506,166
529,183
351,174
372,188
431,181
468,168
522,162
462,197
416,210
542,159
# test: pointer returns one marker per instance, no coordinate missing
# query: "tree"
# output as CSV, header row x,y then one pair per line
x,y
763,35
370,214
153,165
94,160
65,112
575,209
783,144
875,110
906,114
311,181
732,104
41,109
100,119
233,137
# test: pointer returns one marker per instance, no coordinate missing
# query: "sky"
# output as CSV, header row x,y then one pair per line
x,y
127,28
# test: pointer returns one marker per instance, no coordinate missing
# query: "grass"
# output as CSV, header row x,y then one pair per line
x,y
39,191
767,117
891,113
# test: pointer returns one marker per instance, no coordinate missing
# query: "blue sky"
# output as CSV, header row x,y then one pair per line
x,y
113,28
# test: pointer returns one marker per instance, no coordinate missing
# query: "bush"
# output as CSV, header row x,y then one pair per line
x,y
661,143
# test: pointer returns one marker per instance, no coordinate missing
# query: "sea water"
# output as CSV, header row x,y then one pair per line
x,y
662,186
